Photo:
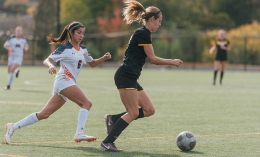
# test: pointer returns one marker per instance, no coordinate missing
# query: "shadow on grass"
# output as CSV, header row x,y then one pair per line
x,y
192,152
98,151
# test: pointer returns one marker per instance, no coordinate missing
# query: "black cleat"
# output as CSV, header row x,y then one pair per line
x,y
110,147
7,87
17,74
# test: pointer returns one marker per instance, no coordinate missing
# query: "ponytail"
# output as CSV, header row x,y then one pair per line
x,y
65,35
134,11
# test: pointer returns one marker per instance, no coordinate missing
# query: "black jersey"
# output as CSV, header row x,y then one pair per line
x,y
135,55
221,53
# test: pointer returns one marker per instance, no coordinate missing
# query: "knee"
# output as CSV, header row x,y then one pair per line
x,y
133,114
149,112
87,105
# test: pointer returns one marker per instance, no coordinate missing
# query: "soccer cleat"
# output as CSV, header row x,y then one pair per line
x,y
17,74
82,137
109,123
7,87
110,147
9,133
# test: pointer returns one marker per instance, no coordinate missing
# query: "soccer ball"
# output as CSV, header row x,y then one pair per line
x,y
186,141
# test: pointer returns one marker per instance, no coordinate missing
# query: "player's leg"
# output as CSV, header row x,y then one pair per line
x,y
222,69
145,103
17,71
216,68
10,62
9,69
110,120
19,61
54,103
11,74
129,98
146,110
75,94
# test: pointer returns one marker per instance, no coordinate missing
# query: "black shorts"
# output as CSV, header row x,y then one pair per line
x,y
124,80
221,56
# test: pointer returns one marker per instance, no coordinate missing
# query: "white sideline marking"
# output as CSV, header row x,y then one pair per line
x,y
21,103
11,155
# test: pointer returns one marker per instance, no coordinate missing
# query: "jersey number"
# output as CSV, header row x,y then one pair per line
x,y
79,63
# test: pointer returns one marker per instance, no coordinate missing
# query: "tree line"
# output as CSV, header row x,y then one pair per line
x,y
180,18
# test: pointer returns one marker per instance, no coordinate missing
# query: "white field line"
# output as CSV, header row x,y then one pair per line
x,y
21,103
12,155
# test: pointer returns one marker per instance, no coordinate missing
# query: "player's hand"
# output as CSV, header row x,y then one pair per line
x,y
10,49
52,69
177,62
223,47
107,56
212,49
26,48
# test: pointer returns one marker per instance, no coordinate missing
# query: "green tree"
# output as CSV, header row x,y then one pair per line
x,y
240,11
45,24
72,10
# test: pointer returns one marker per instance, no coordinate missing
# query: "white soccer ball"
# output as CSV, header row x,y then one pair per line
x,y
186,141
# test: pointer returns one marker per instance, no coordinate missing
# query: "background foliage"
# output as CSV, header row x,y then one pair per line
x,y
187,30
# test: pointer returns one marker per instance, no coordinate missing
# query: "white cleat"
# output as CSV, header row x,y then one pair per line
x,y
9,133
82,137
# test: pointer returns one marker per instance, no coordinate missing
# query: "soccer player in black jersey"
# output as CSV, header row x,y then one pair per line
x,y
134,98
222,46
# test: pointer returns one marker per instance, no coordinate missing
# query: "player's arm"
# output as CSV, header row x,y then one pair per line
x,y
8,47
228,47
100,60
26,47
212,49
48,63
160,61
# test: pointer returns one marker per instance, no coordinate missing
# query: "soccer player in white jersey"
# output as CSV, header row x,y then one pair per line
x,y
72,55
16,45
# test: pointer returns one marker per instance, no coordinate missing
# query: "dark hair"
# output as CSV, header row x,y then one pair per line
x,y
65,35
134,11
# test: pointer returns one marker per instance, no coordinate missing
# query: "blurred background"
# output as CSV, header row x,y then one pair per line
x,y
188,30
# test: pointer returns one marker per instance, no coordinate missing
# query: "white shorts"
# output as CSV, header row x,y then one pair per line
x,y
15,59
61,83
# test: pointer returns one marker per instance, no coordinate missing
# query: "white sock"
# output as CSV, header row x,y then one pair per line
x,y
15,71
10,79
82,118
30,119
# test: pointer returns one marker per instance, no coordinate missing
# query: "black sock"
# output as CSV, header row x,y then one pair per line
x,y
221,76
117,116
215,75
116,131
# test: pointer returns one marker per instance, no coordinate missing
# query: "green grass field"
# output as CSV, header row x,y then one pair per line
x,y
225,119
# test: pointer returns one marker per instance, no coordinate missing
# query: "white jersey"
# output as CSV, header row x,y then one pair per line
x,y
71,60
16,44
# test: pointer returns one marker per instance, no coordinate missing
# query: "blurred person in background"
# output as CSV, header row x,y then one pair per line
x,y
222,45
136,101
15,45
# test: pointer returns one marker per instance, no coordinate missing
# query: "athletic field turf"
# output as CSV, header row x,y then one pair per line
x,y
225,119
